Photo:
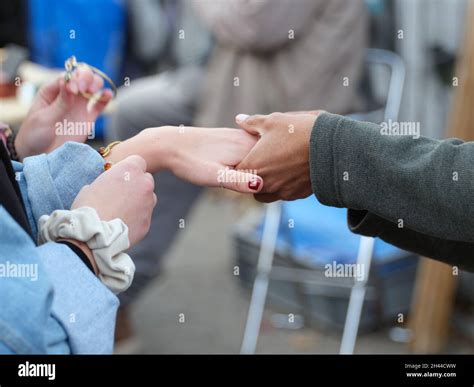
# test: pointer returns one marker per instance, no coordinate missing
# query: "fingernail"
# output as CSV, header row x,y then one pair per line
x,y
73,88
241,117
254,184
82,86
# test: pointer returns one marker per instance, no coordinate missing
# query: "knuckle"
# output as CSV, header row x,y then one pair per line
x,y
255,119
150,177
252,120
272,120
144,189
133,166
135,159
126,163
148,185
126,173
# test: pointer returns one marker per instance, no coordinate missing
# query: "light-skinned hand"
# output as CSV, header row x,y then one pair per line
x,y
203,156
126,192
56,103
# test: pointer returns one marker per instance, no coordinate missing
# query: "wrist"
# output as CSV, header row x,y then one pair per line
x,y
160,147
86,250
156,145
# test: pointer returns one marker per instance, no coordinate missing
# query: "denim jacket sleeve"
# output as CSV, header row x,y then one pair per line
x,y
51,302
47,183
50,182
83,305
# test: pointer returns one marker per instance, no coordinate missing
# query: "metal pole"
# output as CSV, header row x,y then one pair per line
x,y
260,287
356,301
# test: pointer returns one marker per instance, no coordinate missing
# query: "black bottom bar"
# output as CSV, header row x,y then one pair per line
x,y
318,370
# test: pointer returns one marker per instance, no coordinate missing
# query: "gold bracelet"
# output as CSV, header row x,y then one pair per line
x,y
72,65
105,151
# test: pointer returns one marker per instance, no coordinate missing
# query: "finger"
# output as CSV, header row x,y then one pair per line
x,y
84,77
155,200
266,197
242,182
96,85
312,112
70,86
245,164
251,124
150,178
65,98
101,104
50,91
137,160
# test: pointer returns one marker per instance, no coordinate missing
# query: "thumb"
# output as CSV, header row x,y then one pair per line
x,y
240,181
65,96
251,124
50,91
96,107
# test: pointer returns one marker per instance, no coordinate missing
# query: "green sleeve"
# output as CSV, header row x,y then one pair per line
x,y
401,186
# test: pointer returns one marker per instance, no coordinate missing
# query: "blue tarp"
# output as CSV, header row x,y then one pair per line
x,y
320,235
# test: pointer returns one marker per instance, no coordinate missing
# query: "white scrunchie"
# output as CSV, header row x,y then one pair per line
x,y
107,241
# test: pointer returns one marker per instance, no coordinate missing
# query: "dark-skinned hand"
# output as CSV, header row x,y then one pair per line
x,y
281,155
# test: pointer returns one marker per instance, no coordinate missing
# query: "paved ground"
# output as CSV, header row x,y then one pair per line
x,y
199,286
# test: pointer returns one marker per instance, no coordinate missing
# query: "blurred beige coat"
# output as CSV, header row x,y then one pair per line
x,y
256,66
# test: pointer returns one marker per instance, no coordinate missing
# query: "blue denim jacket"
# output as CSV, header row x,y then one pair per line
x,y
65,309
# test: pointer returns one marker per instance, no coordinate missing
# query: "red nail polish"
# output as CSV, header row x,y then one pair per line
x,y
254,184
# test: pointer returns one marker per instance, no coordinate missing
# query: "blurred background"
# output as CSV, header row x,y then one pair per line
x,y
201,62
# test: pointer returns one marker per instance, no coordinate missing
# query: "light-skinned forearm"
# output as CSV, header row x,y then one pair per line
x,y
157,147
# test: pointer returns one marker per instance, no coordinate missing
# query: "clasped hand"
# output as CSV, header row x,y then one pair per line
x,y
269,158
281,155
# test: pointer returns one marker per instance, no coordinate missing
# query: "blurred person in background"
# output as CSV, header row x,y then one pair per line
x,y
168,39
282,55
